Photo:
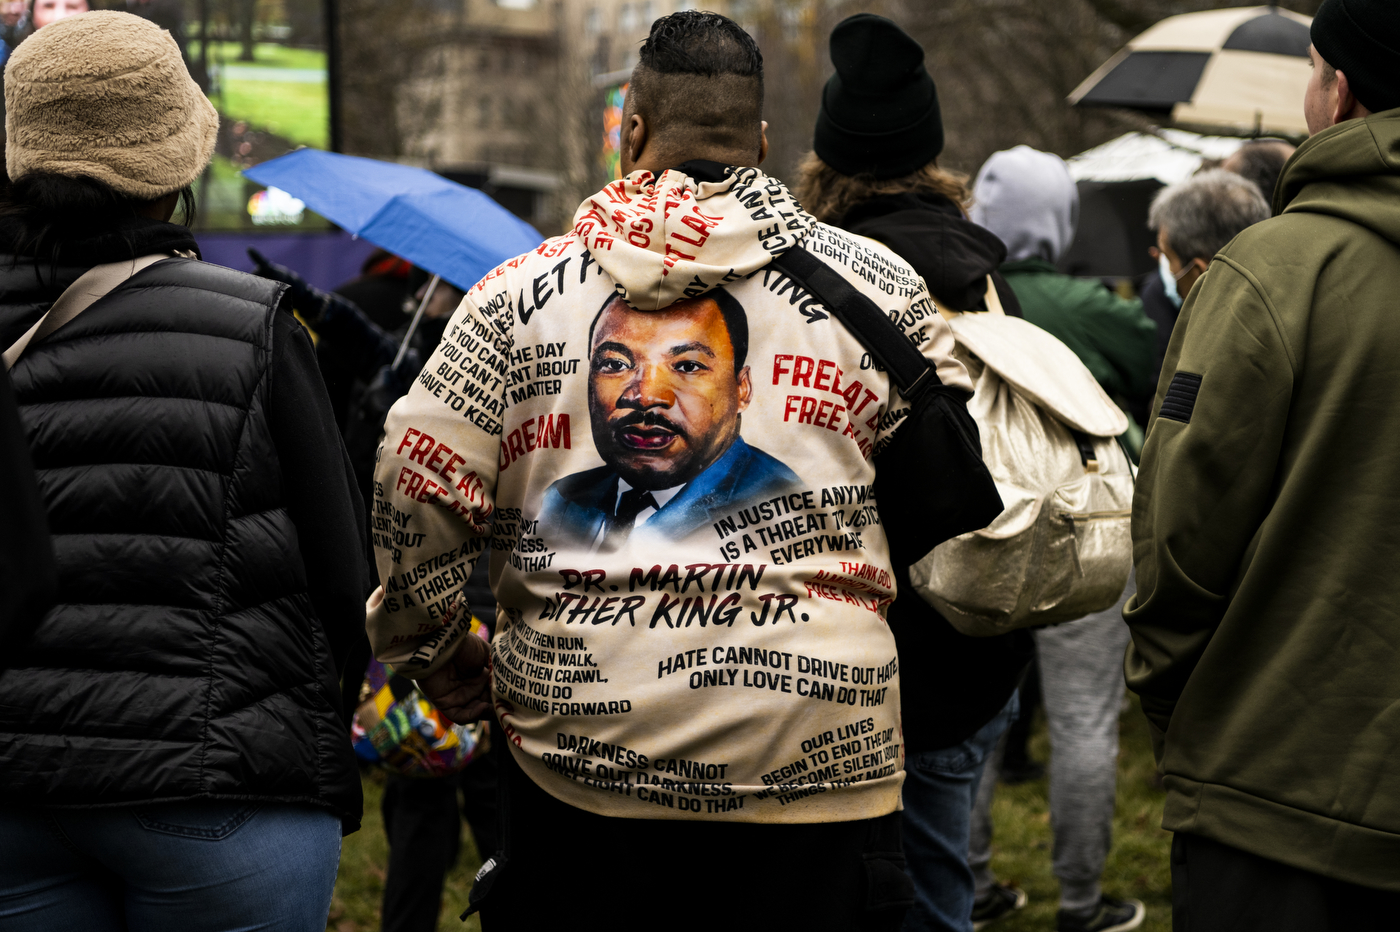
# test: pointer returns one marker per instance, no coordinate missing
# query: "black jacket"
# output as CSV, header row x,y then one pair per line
x,y
950,684
1163,313
952,254
209,541
26,556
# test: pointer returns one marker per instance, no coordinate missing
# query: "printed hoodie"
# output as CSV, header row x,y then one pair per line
x,y
666,447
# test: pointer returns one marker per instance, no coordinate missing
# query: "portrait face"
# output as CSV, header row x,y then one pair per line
x,y
51,11
663,393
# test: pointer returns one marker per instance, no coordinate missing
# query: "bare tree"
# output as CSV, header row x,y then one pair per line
x,y
386,50
569,133
245,16
1004,68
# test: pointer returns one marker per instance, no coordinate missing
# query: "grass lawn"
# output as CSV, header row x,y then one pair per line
x,y
360,884
1137,865
295,110
265,55
298,112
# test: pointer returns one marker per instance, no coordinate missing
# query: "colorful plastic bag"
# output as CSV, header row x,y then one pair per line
x,y
397,728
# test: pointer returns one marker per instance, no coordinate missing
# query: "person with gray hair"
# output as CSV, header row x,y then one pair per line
x,y
1195,219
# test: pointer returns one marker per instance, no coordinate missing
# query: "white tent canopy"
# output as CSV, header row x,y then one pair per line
x,y
1168,155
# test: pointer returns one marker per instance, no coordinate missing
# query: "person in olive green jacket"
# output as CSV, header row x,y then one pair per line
x,y
1266,530
1028,199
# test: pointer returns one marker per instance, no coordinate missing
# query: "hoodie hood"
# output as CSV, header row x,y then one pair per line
x,y
1352,171
672,237
1028,199
952,254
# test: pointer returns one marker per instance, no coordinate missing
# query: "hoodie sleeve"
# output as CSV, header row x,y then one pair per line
x,y
1205,484
434,492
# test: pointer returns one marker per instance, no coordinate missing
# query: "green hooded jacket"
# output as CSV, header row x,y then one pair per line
x,y
1266,527
1109,334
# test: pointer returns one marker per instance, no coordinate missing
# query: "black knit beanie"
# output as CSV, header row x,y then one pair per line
x,y
879,111
1361,39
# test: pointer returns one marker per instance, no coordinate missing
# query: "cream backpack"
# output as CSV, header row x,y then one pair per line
x,y
1061,549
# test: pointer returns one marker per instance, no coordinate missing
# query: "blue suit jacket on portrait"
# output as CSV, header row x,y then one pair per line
x,y
577,507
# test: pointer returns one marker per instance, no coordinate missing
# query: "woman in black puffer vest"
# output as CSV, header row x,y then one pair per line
x,y
171,746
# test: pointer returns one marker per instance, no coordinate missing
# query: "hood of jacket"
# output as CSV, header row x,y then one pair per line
x,y
671,237
1352,171
1028,199
952,254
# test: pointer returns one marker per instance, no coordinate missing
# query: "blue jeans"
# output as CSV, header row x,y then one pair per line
x,y
939,787
195,867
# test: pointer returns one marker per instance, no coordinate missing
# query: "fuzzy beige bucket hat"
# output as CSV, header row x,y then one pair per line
x,y
105,94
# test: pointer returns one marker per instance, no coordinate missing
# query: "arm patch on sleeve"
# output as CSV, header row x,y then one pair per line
x,y
1180,400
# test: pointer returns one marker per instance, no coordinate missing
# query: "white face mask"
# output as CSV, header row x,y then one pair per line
x,y
1169,280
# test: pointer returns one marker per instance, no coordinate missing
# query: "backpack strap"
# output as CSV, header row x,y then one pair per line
x,y
1087,457
94,284
863,318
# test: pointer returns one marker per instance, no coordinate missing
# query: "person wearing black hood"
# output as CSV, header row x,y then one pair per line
x,y
874,171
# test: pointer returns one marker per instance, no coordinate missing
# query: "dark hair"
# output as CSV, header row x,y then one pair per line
x,y
736,321
699,78
1262,162
690,42
51,210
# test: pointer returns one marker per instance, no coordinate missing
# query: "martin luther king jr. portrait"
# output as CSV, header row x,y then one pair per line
x,y
666,394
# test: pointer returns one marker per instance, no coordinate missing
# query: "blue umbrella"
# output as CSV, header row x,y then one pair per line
x,y
451,230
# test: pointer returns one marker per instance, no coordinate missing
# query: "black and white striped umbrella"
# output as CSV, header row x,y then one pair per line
x,y
1241,70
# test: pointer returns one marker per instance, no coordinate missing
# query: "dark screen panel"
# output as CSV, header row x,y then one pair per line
x,y
1112,238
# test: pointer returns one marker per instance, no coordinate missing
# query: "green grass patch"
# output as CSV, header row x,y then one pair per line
x,y
1138,865
265,55
359,887
298,112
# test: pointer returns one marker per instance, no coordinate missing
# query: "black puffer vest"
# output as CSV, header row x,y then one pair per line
x,y
184,659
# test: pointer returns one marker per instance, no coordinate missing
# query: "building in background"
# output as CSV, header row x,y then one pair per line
x,y
505,95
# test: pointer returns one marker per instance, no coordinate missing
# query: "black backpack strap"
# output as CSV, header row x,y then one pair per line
x,y
863,318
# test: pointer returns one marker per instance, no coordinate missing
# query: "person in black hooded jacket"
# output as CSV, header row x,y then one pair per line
x,y
171,747
957,693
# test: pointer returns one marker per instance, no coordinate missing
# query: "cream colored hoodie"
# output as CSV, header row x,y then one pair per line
x,y
689,563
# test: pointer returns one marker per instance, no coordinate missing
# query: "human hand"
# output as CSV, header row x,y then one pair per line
x,y
307,299
264,267
461,689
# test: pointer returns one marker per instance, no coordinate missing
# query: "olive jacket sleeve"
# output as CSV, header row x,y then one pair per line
x,y
1206,481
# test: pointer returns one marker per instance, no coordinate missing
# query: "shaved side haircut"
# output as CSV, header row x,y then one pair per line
x,y
699,79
